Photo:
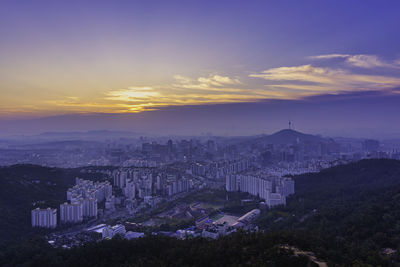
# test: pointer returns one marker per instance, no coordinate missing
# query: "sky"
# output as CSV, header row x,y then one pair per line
x,y
333,66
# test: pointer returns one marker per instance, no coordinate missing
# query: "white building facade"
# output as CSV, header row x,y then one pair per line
x,y
46,218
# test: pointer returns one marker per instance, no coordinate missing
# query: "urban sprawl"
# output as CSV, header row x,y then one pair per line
x,y
140,180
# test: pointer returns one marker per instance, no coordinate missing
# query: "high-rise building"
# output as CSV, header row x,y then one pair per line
x,y
71,213
129,190
231,184
46,218
89,207
273,190
110,203
169,146
370,145
120,179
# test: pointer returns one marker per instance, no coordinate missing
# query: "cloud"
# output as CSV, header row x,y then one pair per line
x,y
132,93
285,82
305,73
366,61
206,83
329,56
309,78
361,61
217,80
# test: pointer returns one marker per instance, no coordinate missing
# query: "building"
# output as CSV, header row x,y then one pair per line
x,y
84,197
247,218
111,231
120,179
231,183
370,145
46,218
89,207
273,190
215,231
71,213
110,203
130,189
275,199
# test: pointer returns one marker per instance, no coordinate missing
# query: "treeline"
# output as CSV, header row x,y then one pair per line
x,y
240,249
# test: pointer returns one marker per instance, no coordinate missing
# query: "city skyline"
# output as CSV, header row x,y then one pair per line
x,y
199,133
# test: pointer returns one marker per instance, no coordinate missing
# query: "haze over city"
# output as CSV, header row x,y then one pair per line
x,y
199,133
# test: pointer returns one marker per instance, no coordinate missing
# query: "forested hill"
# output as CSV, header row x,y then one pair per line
x,y
24,187
354,210
353,177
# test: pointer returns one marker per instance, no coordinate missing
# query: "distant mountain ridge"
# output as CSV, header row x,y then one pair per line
x,y
99,135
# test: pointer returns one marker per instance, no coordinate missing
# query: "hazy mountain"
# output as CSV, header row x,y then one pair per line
x,y
65,144
100,134
288,136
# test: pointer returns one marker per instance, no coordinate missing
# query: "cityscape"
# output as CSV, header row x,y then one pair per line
x,y
199,133
141,176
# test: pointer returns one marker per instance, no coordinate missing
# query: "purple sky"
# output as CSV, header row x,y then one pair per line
x,y
227,67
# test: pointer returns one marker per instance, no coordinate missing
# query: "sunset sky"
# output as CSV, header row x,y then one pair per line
x,y
74,57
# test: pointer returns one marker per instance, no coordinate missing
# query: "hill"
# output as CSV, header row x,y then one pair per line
x,y
288,136
354,210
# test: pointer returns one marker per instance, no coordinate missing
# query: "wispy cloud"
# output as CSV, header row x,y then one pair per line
x,y
361,61
211,82
367,61
133,93
329,56
322,79
305,73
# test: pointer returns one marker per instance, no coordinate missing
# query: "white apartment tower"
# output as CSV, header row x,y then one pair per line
x,y
273,190
89,207
71,213
46,218
129,190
